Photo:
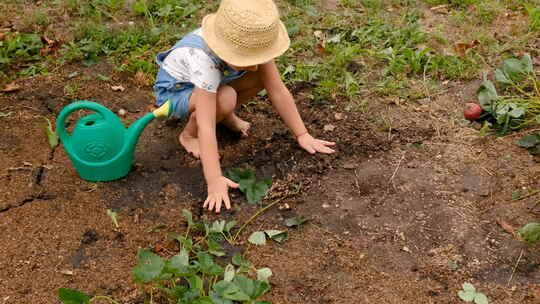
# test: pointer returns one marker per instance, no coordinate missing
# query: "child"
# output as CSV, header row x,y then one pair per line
x,y
212,70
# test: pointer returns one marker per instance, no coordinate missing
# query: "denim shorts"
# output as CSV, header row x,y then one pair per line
x,y
169,88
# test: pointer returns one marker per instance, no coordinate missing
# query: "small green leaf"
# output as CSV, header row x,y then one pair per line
x,y
487,94
277,235
179,264
529,141
257,238
229,226
230,291
189,217
243,264
527,63
242,177
514,69
149,267
263,274
52,137
468,287
253,288
530,233
195,282
214,248
480,298
295,221
467,296
217,226
207,264
257,191
501,77
202,300
113,216
71,296
517,112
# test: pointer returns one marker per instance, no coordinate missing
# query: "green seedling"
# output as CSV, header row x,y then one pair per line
x,y
52,137
469,294
113,215
295,221
259,237
531,142
530,233
255,190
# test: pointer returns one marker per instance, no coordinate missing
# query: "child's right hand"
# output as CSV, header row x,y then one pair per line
x,y
218,192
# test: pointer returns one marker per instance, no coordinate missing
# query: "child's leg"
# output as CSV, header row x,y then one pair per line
x,y
246,88
226,103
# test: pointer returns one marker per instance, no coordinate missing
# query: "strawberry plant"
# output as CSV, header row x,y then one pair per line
x,y
253,189
517,103
193,276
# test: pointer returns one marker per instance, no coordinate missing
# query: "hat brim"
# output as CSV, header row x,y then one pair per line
x,y
239,57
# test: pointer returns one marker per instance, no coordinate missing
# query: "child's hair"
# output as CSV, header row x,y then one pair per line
x,y
246,32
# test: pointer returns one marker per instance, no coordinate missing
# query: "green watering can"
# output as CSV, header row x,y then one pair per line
x,y
100,147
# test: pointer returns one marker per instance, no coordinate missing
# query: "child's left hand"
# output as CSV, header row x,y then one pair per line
x,y
313,145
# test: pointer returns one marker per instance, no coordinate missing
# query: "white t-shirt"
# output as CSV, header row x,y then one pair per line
x,y
189,64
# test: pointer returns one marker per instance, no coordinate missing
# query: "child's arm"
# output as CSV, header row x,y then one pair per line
x,y
284,104
206,124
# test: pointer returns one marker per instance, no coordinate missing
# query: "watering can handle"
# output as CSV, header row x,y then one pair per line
x,y
79,105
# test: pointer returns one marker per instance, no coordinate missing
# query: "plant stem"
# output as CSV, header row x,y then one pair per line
x,y
515,267
527,195
260,211
103,297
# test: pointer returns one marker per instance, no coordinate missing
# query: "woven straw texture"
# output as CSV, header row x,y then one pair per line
x,y
246,32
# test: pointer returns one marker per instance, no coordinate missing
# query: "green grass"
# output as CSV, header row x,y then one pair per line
x,y
376,45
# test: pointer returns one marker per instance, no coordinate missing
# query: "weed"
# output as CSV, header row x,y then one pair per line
x,y
533,11
469,294
18,46
52,137
454,3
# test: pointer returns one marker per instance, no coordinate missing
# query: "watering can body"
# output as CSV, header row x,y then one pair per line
x,y
100,147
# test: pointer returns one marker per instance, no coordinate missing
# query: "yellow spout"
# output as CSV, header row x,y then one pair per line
x,y
164,111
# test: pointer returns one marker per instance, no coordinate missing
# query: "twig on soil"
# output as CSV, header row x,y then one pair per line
x,y
526,195
260,211
515,267
397,168
534,206
356,180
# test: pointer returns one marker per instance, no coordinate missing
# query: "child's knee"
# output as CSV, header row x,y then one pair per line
x,y
226,99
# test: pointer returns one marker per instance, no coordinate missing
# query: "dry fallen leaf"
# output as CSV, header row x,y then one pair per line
x,y
141,79
338,116
11,87
507,227
66,272
118,88
321,42
329,127
463,48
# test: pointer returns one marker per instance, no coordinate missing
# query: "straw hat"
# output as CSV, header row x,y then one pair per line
x,y
245,32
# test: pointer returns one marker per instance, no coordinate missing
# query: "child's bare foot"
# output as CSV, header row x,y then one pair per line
x,y
237,124
190,143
